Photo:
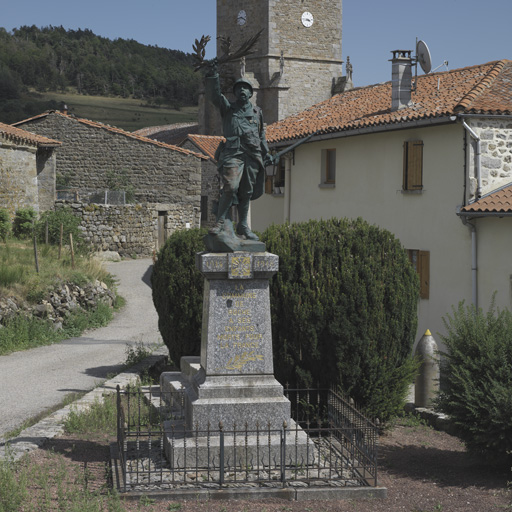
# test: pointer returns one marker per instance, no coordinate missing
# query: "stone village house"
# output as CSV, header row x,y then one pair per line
x,y
432,166
27,170
165,182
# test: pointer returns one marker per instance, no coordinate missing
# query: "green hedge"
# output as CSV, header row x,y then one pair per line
x,y
5,224
343,307
54,219
23,224
477,379
178,293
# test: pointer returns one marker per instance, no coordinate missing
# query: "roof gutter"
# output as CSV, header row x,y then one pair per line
x,y
402,125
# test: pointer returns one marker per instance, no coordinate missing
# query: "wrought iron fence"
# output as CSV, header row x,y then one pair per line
x,y
328,442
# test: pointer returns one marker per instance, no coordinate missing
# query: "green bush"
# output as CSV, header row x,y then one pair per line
x,y
70,225
477,378
5,224
178,293
23,223
352,295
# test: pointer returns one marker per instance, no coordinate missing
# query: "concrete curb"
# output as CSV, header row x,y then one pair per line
x,y
437,420
53,425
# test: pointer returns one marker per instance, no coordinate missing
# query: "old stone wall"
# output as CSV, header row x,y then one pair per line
x,y
18,177
130,230
496,157
210,187
92,158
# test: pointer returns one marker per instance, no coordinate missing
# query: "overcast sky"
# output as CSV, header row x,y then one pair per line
x,y
462,32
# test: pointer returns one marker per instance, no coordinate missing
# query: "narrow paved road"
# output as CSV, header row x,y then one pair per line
x,y
34,380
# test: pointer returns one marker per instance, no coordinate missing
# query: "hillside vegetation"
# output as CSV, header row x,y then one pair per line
x,y
53,59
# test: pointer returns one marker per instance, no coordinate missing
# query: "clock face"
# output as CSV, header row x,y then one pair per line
x,y
241,18
307,19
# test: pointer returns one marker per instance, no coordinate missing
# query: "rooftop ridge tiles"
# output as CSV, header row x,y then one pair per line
x,y
18,134
481,86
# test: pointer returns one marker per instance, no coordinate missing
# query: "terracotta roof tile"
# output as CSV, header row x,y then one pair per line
x,y
112,129
208,144
499,201
485,88
18,135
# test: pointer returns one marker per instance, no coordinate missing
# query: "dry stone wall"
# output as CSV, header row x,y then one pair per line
x,y
130,230
496,158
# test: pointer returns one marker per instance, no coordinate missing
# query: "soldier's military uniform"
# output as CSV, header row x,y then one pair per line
x,y
240,160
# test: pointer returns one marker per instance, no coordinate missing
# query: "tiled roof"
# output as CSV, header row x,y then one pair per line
x,y
499,201
20,136
482,89
208,144
113,129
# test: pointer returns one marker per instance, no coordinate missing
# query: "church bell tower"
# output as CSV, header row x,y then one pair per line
x,y
297,61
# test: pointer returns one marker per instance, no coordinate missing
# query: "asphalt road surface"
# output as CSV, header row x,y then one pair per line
x,y
34,380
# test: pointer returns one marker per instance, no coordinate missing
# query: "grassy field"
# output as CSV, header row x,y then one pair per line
x,y
126,113
18,278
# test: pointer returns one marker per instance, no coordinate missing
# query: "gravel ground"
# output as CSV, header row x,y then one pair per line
x,y
424,471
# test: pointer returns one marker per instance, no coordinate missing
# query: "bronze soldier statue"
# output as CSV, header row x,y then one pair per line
x,y
243,157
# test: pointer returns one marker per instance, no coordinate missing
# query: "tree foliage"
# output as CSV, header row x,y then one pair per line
x,y
477,378
54,59
23,224
5,224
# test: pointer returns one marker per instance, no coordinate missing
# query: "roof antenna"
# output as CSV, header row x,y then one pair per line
x,y
423,58
445,63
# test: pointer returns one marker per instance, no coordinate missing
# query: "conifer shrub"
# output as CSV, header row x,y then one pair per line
x,y
23,224
344,311
178,293
5,224
343,308
477,379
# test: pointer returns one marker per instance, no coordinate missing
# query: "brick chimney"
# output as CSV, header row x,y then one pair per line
x,y
401,79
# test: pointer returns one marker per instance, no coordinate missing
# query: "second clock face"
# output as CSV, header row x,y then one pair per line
x,y
241,18
307,19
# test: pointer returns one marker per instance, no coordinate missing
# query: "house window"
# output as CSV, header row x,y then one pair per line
x,y
421,262
274,184
328,177
413,165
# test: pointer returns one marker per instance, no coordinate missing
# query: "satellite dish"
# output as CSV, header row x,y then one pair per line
x,y
423,56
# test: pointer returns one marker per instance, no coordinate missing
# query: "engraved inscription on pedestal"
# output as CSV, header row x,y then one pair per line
x,y
237,338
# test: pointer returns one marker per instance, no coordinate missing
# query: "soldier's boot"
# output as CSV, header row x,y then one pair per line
x,y
242,227
222,211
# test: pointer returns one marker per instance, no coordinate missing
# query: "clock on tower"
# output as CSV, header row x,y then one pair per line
x,y
297,56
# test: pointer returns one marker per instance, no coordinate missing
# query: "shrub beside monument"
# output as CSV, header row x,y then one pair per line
x,y
343,307
477,379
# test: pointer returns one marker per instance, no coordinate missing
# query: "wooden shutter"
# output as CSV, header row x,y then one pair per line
x,y
413,165
424,273
269,184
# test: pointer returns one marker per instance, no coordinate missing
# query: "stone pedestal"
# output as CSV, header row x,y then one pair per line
x,y
234,383
233,380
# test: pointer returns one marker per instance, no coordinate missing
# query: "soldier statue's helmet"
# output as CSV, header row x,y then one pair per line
x,y
242,81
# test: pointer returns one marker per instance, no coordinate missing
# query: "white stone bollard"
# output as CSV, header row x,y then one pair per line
x,y
427,381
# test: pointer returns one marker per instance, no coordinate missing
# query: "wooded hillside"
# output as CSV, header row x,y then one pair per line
x,y
56,59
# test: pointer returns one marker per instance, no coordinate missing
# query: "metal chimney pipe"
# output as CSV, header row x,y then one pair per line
x,y
401,79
